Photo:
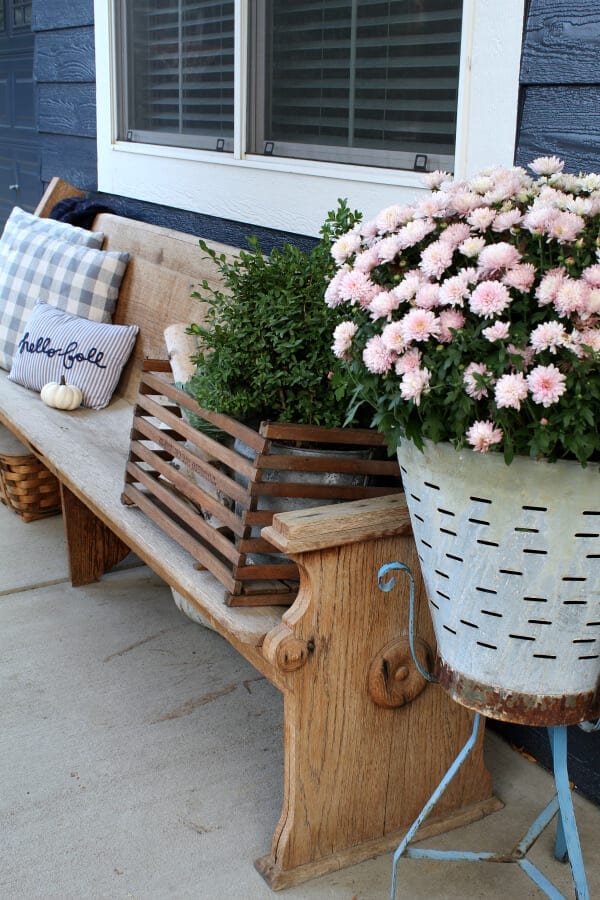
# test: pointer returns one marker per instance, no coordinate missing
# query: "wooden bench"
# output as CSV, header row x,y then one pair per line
x,y
364,743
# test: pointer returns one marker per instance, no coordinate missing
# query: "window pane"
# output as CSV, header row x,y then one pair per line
x,y
179,64
21,17
376,80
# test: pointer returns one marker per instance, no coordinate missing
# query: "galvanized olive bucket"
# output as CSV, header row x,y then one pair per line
x,y
510,557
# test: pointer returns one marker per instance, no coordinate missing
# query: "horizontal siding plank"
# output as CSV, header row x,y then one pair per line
x,y
47,15
564,121
67,109
562,42
65,56
71,158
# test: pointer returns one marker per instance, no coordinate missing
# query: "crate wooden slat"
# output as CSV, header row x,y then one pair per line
x,y
213,496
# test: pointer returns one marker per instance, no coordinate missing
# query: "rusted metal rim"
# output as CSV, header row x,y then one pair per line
x,y
513,706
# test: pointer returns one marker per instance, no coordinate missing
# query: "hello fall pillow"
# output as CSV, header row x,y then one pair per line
x,y
89,354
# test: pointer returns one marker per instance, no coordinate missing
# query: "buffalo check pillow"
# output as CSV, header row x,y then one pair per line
x,y
37,264
89,354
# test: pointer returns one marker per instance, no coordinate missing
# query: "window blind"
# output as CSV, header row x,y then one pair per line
x,y
362,81
179,68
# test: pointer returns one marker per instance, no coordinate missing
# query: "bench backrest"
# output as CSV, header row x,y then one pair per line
x,y
164,268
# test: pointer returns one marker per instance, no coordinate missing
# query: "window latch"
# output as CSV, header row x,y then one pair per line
x,y
268,148
420,163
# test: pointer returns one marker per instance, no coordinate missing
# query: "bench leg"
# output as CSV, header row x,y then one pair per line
x,y
359,767
92,547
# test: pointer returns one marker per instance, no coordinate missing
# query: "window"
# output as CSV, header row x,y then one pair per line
x,y
267,111
366,82
177,72
21,13
360,81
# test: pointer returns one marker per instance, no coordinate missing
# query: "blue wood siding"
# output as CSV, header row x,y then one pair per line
x,y
560,84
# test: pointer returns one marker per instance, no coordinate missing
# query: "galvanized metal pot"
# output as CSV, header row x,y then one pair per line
x,y
510,557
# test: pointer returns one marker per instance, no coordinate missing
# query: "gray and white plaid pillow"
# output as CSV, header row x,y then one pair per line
x,y
90,355
34,266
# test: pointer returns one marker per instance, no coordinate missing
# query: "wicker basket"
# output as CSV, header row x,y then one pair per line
x,y
26,485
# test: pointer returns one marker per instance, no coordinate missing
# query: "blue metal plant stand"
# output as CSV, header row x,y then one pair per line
x,y
567,846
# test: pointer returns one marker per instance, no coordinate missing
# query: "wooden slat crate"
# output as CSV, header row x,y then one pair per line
x,y
214,495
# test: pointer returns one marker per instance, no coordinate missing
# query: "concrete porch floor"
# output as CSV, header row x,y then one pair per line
x,y
141,756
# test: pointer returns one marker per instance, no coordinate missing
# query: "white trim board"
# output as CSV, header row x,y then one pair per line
x,y
295,195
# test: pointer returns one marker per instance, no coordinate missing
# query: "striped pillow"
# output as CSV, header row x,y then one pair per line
x,y
36,262
89,354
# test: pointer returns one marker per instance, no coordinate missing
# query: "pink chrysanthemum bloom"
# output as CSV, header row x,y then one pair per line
x,y
547,165
408,361
499,331
549,286
481,184
368,230
455,234
388,248
481,219
466,201
490,298
432,206
525,353
332,291
581,206
520,277
415,383
592,275
408,287
498,256
419,325
433,180
593,304
548,336
382,305
482,435
450,320
393,338
367,260
435,259
342,338
472,247
510,391
345,246
589,337
376,356
539,220
428,295
506,220
572,297
357,288
475,377
414,232
547,384
454,290
566,227
390,218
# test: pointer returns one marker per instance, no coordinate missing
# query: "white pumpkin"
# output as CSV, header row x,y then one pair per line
x,y
61,395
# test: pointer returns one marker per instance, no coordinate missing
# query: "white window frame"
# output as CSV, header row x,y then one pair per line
x,y
295,195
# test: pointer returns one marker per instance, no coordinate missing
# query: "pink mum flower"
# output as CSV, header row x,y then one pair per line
x,y
345,246
510,390
455,234
408,287
481,219
414,383
506,220
590,337
382,305
499,331
592,275
367,260
419,325
357,288
414,232
490,298
391,217
342,338
548,287
520,277
434,179
408,361
392,337
454,290
474,385
376,356
481,436
547,165
472,247
436,258
498,256
428,295
450,320
548,336
572,297
547,384
565,227
332,292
